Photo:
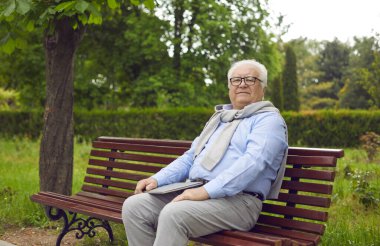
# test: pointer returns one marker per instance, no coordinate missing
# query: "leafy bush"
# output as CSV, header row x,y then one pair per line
x,y
322,103
9,99
21,124
371,144
368,194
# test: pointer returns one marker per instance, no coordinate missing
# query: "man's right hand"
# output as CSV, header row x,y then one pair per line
x,y
145,184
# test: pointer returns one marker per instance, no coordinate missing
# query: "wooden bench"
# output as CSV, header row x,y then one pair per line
x,y
297,217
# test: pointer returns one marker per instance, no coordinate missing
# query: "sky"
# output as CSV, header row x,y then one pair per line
x,y
327,19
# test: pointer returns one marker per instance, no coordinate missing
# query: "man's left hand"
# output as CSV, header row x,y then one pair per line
x,y
196,194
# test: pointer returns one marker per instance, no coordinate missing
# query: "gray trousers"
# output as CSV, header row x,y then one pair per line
x,y
154,220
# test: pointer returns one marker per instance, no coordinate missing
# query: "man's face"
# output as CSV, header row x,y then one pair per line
x,y
242,95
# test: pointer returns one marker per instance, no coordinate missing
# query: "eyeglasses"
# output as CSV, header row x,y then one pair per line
x,y
249,80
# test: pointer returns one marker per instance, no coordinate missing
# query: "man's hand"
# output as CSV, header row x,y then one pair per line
x,y
196,194
145,184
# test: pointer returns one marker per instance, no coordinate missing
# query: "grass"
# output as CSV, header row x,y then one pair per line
x,y
350,221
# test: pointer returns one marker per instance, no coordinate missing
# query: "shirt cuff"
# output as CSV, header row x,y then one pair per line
x,y
160,178
214,190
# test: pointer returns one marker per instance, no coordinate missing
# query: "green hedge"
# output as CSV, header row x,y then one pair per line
x,y
15,124
144,123
329,128
313,129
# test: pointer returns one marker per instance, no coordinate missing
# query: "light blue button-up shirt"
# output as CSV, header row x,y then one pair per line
x,y
250,163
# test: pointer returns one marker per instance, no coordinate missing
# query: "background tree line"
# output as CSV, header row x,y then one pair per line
x,y
175,53
178,54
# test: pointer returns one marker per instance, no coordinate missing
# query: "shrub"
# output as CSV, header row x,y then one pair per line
x,y
371,144
368,195
329,128
9,99
324,128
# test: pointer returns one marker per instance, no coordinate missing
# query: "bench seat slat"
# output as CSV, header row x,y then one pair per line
x,y
293,234
105,200
115,174
78,208
132,157
106,203
139,147
310,174
124,165
260,238
218,239
291,224
304,200
296,212
110,183
92,195
308,187
87,202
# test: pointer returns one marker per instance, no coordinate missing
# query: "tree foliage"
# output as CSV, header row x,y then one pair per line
x,y
178,56
9,99
277,93
351,68
307,53
63,24
290,83
320,96
333,61
141,68
361,79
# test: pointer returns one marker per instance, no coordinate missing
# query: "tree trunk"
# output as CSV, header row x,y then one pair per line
x,y
178,21
195,8
56,149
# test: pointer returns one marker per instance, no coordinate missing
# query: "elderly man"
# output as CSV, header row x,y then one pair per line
x,y
240,155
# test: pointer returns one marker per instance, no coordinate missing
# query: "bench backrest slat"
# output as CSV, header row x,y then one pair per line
x,y
113,183
315,161
106,191
132,157
116,164
315,152
296,212
304,200
124,165
155,142
170,150
115,174
308,187
310,174
182,143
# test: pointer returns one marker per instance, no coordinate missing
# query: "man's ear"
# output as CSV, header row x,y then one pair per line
x,y
263,93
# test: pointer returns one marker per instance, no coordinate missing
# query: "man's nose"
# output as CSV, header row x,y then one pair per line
x,y
241,84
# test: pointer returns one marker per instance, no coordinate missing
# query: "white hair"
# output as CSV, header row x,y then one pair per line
x,y
257,66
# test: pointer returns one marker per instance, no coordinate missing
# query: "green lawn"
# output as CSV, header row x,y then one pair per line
x,y
354,218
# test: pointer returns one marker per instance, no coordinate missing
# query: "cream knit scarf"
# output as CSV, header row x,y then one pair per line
x,y
232,118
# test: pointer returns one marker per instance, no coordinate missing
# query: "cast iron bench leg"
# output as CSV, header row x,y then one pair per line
x,y
82,226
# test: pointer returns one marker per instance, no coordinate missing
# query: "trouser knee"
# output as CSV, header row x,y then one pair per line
x,y
173,217
130,206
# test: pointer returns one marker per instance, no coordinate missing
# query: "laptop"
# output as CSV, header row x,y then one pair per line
x,y
175,187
